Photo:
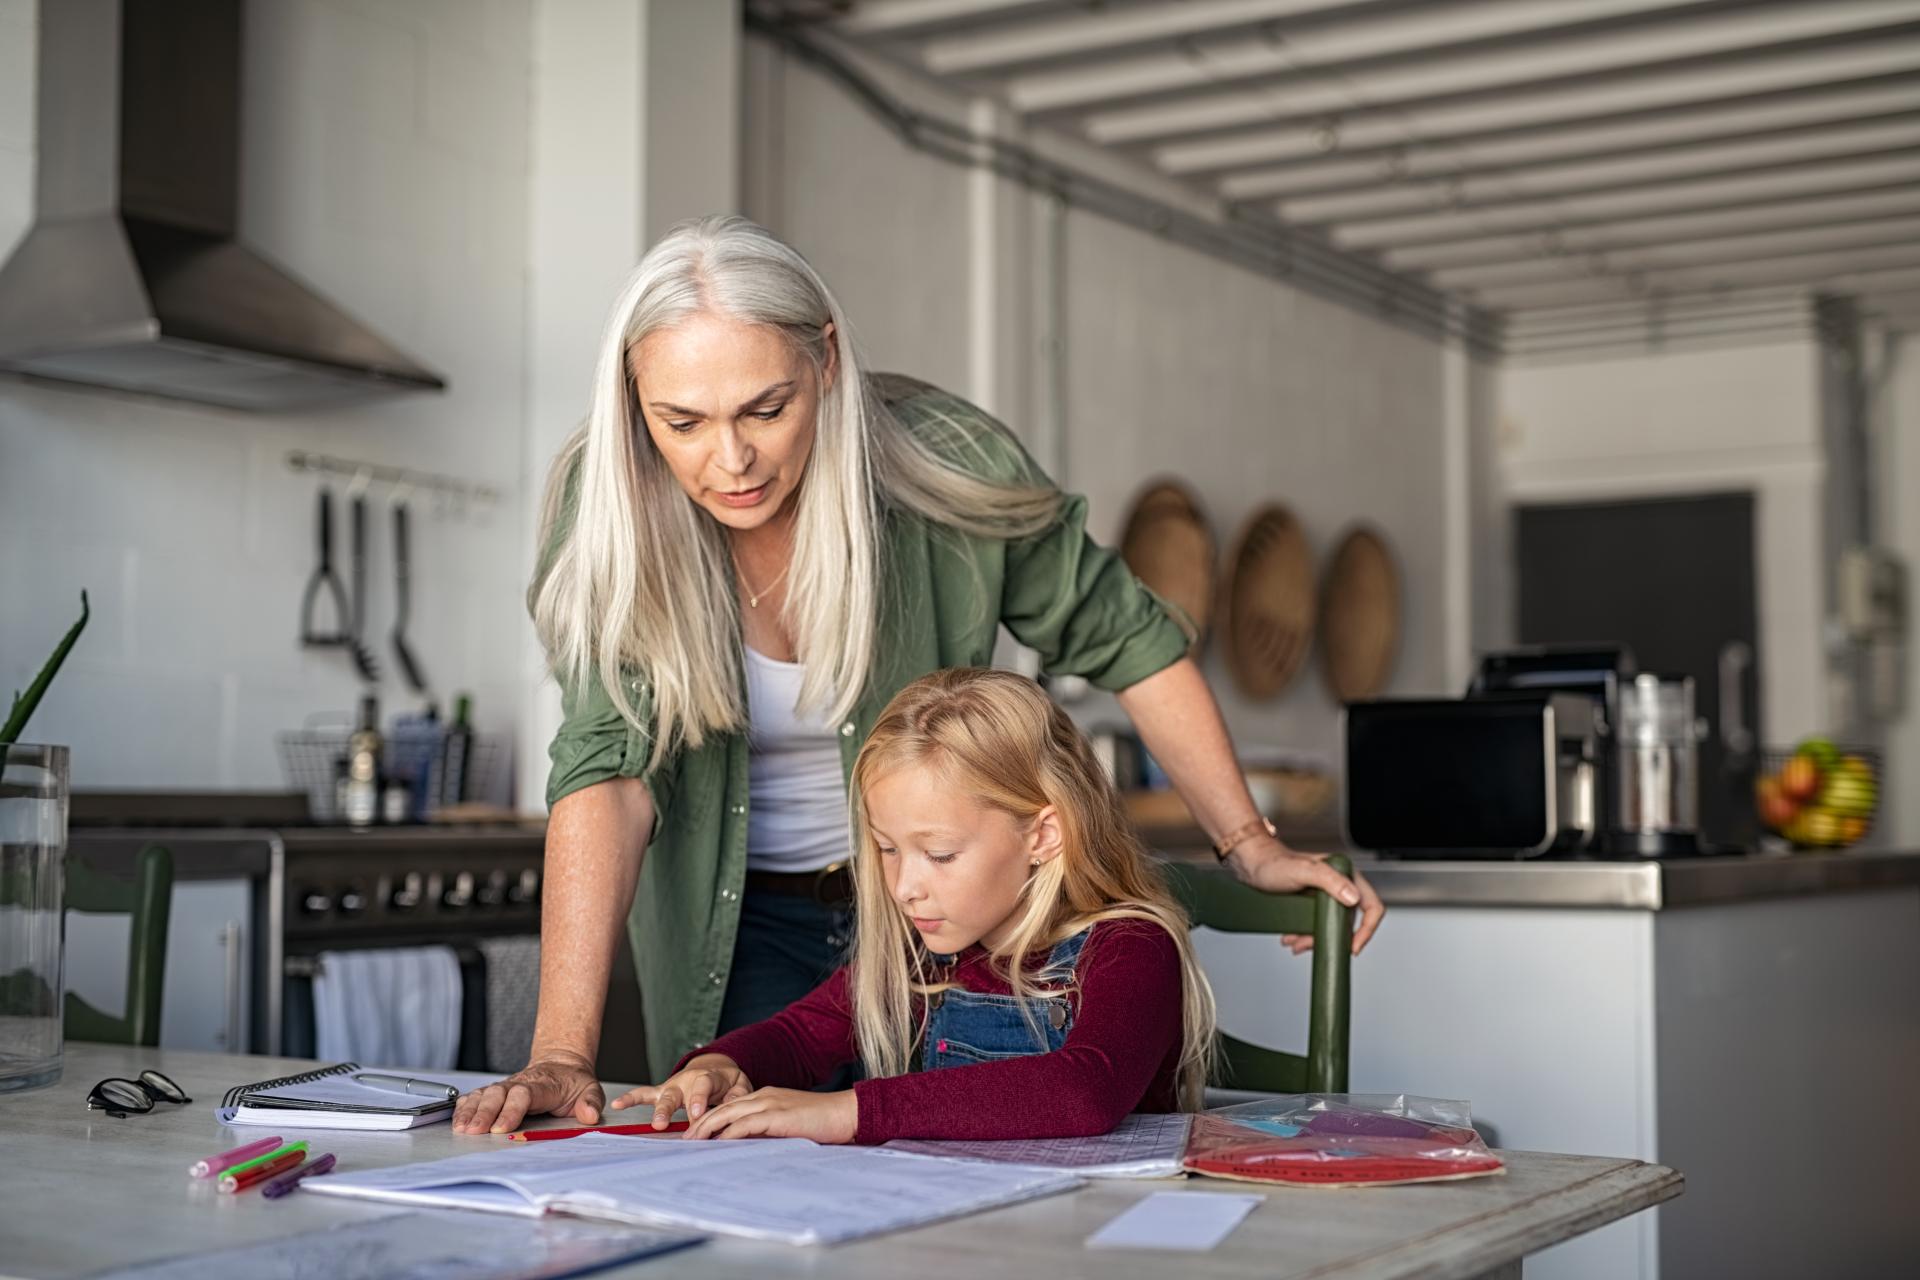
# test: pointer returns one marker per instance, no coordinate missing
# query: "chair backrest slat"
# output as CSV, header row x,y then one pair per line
x,y
148,901
1214,899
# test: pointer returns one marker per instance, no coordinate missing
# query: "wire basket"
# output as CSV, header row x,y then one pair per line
x,y
314,762
1818,795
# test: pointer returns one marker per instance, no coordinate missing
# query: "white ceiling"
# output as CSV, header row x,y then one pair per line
x,y
1543,158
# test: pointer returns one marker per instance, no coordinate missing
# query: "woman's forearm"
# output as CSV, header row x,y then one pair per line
x,y
1180,723
596,838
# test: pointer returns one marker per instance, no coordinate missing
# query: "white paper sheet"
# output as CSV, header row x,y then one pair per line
x,y
446,1246
785,1189
1188,1220
1142,1146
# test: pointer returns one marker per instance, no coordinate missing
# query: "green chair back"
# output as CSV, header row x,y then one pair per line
x,y
147,900
1215,899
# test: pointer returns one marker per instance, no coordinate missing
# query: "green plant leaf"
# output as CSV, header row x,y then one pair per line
x,y
24,703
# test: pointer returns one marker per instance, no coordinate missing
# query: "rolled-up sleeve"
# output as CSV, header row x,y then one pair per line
x,y
1079,606
1062,594
596,743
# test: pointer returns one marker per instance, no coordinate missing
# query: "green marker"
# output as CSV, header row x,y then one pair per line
x,y
238,1169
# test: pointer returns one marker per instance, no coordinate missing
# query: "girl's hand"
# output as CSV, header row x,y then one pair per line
x,y
783,1113
708,1080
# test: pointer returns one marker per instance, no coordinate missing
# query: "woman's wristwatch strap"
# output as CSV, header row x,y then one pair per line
x,y
1240,834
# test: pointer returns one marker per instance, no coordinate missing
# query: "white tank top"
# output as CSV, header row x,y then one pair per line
x,y
797,818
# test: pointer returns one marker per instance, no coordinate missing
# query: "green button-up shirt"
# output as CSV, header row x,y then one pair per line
x,y
1057,591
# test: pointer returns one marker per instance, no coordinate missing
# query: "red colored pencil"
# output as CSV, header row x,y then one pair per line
x,y
640,1130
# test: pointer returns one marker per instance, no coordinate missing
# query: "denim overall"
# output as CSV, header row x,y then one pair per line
x,y
964,1027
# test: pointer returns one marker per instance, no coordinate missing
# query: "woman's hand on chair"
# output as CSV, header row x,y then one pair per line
x,y
1265,863
560,1085
710,1080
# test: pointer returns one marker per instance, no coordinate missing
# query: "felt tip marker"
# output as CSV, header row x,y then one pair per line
x,y
227,1159
233,1183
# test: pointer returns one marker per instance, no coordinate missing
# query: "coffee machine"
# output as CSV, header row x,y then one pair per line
x,y
1554,750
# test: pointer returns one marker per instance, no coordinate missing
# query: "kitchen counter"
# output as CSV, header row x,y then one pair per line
x,y
1625,885
1648,1010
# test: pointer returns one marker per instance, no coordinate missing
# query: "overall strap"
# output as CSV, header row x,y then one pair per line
x,y
1065,957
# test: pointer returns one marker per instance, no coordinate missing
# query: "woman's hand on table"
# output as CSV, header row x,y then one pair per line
x,y
783,1113
710,1080
561,1086
1267,864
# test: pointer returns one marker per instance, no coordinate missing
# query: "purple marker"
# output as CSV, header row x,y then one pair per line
x,y
286,1182
227,1159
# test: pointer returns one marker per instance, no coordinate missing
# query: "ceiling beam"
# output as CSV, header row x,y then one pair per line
x,y
1826,271
903,17
1451,159
1745,190
1869,233
1658,94
1407,81
1686,228
1431,35
1634,170
1090,32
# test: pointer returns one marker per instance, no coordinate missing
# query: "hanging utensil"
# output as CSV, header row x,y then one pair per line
x,y
324,578
362,655
403,598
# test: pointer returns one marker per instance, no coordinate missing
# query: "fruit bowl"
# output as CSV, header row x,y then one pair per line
x,y
1818,795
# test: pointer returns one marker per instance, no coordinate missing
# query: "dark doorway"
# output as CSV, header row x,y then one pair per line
x,y
1672,578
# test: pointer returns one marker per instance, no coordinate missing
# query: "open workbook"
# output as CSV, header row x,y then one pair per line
x,y
784,1189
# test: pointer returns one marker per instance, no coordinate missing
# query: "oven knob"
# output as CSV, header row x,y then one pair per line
x,y
526,889
409,893
494,891
352,902
460,893
315,902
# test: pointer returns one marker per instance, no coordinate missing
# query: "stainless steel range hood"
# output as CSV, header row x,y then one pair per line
x,y
131,276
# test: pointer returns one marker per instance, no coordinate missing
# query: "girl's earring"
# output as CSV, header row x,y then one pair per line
x,y
1036,862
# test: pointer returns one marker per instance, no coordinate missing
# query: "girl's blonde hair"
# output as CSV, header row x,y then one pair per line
x,y
635,577
998,738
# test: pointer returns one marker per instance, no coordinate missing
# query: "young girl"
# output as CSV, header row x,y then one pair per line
x,y
1019,970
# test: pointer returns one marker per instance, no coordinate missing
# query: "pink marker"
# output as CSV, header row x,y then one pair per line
x,y
227,1159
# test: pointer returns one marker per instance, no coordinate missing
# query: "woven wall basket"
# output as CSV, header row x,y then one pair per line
x,y
1360,615
1169,546
1268,611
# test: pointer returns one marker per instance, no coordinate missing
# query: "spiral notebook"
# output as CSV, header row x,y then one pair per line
x,y
330,1098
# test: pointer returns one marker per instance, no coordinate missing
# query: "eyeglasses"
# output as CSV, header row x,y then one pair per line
x,y
120,1097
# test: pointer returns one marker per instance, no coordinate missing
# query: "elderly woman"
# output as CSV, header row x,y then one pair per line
x,y
749,548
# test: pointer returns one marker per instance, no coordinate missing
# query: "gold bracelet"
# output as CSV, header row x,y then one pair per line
x,y
1225,844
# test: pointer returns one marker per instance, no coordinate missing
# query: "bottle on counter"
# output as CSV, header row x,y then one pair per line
x,y
362,799
456,752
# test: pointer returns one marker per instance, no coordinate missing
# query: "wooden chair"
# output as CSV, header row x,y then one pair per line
x,y
1215,899
148,901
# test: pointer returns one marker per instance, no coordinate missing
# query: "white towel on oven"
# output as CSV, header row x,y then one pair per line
x,y
389,1007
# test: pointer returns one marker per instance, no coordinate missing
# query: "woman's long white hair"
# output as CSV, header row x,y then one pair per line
x,y
636,579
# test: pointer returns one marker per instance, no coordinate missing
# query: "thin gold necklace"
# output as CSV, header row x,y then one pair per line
x,y
755,597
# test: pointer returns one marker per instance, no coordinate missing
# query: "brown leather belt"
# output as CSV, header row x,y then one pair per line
x,y
830,886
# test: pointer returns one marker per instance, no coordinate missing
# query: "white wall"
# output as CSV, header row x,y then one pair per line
x,y
385,161
1897,435
1174,362
1695,422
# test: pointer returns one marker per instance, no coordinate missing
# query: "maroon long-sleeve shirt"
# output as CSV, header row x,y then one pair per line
x,y
1119,1057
